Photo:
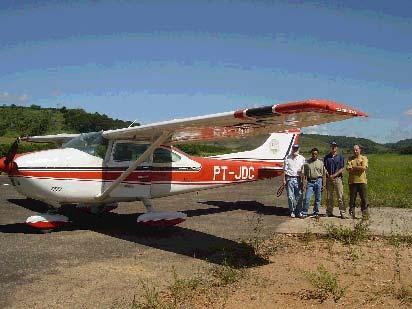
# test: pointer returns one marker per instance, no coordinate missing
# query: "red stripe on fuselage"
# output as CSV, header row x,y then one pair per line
x,y
212,170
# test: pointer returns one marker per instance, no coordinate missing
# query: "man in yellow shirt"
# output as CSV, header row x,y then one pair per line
x,y
357,166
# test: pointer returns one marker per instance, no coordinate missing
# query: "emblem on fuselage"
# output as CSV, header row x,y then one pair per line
x,y
274,146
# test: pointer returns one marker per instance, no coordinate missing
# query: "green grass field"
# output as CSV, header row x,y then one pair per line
x,y
389,181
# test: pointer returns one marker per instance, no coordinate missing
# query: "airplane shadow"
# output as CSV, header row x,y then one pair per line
x,y
223,206
180,240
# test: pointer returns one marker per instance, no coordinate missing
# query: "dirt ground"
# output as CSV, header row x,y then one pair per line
x,y
238,249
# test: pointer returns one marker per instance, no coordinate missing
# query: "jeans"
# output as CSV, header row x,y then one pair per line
x,y
313,187
294,191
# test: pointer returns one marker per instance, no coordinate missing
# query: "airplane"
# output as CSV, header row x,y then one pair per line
x,y
97,170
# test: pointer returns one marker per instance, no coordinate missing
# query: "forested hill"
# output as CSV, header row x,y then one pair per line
x,y
34,120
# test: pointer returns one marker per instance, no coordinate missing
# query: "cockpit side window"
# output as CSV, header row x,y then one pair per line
x,y
92,143
163,155
128,151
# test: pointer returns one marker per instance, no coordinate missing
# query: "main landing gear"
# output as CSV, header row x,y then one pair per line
x,y
50,221
47,222
160,219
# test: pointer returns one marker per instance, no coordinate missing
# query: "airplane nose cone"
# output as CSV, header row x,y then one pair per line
x,y
7,168
2,165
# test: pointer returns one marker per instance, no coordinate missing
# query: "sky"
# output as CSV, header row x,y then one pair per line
x,y
159,60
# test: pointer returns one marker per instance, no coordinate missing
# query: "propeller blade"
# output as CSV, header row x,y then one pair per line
x,y
12,151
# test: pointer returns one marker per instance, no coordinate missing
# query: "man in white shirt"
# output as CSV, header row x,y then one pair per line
x,y
292,179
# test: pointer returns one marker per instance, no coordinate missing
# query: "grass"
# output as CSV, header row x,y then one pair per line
x,y
398,239
225,274
348,235
326,283
180,293
182,289
389,181
404,294
150,298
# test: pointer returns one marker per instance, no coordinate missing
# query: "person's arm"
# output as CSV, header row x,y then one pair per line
x,y
324,175
324,164
284,171
305,170
349,166
362,167
339,171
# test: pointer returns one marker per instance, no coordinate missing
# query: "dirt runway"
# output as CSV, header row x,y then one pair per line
x,y
98,261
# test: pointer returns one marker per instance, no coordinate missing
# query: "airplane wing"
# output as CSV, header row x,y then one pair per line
x,y
242,123
57,138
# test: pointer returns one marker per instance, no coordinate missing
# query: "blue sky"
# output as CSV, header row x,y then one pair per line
x,y
157,60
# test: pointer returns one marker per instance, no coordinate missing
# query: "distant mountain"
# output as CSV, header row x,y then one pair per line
x,y
401,144
322,142
309,141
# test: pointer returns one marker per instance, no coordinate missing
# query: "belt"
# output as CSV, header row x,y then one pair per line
x,y
314,179
287,176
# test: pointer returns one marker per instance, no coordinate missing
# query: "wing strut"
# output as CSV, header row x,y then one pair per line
x,y
162,138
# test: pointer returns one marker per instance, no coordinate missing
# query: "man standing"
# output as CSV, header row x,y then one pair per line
x,y
357,166
334,164
313,171
292,179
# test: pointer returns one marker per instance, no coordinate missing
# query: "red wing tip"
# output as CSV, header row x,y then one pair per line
x,y
310,105
319,105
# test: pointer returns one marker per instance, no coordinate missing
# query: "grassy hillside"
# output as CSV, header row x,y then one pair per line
x,y
21,121
34,120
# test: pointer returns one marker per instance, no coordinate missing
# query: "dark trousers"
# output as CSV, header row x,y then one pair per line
x,y
362,189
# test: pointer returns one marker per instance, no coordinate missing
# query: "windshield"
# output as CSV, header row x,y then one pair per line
x,y
92,143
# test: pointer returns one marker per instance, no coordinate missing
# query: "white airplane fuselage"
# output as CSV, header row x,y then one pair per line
x,y
72,176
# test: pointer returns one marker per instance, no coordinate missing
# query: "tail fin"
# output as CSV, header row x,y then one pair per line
x,y
275,148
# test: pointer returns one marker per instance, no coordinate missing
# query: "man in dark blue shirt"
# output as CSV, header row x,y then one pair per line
x,y
335,165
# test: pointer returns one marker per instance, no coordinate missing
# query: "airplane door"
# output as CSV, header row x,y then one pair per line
x,y
137,185
172,172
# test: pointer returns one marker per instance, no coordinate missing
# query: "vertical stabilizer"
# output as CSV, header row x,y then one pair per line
x,y
275,148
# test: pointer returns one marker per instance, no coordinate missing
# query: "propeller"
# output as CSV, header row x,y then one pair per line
x,y
7,164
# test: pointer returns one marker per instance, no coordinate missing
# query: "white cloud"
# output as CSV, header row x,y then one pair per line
x,y
408,112
7,98
317,129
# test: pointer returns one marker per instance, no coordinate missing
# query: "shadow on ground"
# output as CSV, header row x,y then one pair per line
x,y
238,205
175,239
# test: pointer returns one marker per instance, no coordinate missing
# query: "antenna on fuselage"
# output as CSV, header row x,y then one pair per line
x,y
134,121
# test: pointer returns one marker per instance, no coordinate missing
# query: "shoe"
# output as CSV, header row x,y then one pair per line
x,y
315,215
343,215
292,215
352,214
302,215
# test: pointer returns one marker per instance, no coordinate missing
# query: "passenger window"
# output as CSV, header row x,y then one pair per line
x,y
128,151
162,155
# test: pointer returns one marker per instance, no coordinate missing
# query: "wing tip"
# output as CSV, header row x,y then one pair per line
x,y
318,105
309,105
